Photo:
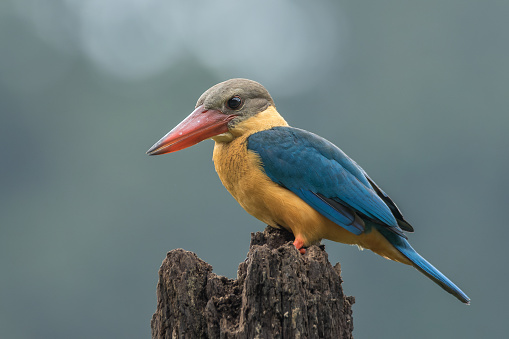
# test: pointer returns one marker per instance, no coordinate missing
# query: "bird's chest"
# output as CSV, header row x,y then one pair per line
x,y
238,168
241,173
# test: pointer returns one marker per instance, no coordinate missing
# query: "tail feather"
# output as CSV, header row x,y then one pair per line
x,y
425,267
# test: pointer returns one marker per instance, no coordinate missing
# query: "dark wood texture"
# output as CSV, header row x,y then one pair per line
x,y
278,293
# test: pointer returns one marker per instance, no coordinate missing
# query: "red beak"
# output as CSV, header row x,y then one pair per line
x,y
198,126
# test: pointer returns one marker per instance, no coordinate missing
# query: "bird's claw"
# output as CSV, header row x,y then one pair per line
x,y
299,245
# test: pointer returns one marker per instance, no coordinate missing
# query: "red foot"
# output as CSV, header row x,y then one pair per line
x,y
299,244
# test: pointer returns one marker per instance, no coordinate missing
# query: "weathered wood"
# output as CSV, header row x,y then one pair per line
x,y
278,293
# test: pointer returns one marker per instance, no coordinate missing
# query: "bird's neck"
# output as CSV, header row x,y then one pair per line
x,y
231,158
260,122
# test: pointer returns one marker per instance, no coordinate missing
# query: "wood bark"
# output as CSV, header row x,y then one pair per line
x,y
278,293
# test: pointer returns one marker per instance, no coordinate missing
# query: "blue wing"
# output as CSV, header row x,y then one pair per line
x,y
325,178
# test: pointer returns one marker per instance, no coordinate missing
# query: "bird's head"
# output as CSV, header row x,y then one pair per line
x,y
217,112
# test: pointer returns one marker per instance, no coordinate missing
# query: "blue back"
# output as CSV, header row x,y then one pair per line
x,y
323,176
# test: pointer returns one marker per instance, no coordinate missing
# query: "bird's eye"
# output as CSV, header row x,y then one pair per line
x,y
234,102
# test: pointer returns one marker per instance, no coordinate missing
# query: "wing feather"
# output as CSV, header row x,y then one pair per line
x,y
323,176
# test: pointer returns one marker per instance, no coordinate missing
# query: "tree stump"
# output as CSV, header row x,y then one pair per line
x,y
278,293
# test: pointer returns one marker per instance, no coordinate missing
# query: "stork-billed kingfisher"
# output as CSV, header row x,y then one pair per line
x,y
293,179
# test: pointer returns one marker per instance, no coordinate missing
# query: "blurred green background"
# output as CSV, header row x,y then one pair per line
x,y
417,93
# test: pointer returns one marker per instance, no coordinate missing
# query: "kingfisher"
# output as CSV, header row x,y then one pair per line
x,y
293,179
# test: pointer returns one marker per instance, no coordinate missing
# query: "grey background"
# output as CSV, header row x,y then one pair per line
x,y
416,93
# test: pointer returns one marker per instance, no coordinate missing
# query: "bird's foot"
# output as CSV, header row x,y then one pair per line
x,y
299,245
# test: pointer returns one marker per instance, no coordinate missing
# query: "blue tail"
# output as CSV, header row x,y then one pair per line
x,y
424,266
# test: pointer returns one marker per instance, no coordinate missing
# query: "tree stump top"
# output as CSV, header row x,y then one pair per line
x,y
278,293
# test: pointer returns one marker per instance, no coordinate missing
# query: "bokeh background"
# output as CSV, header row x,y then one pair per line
x,y
416,92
